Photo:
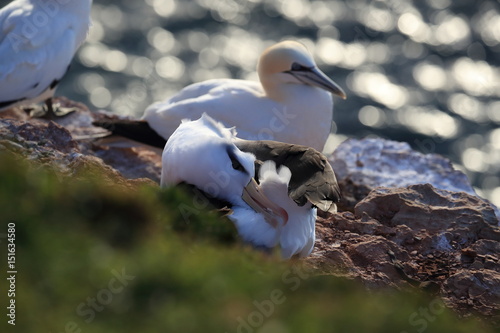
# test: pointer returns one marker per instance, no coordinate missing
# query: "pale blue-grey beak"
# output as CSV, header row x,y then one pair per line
x,y
313,76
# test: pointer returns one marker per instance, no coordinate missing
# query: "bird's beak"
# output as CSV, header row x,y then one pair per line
x,y
255,198
315,77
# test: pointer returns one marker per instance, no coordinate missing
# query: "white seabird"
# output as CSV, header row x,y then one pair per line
x,y
280,211
38,40
292,102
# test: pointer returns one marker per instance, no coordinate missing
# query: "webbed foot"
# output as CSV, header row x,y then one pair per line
x,y
48,111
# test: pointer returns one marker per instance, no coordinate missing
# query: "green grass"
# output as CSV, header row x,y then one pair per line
x,y
75,235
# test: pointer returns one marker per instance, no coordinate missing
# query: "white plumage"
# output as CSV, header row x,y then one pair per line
x,y
298,235
202,153
292,102
38,40
198,154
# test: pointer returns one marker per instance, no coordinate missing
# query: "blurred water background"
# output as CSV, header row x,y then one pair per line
x,y
424,72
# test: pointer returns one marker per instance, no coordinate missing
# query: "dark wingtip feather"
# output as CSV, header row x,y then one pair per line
x,y
138,130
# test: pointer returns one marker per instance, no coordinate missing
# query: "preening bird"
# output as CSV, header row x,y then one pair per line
x,y
292,102
38,40
280,210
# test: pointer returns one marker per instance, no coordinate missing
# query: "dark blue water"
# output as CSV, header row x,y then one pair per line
x,y
424,72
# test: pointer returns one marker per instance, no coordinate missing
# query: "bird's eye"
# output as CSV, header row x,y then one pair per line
x,y
235,163
299,67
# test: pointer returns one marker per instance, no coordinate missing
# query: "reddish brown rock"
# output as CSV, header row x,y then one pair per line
x,y
76,134
482,254
363,250
423,207
417,236
46,135
363,165
474,291
131,162
51,145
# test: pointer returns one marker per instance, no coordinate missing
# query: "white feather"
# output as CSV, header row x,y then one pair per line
x,y
38,40
196,154
298,235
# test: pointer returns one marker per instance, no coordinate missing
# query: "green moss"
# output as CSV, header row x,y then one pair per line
x,y
94,257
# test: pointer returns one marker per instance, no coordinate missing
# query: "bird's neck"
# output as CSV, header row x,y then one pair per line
x,y
276,91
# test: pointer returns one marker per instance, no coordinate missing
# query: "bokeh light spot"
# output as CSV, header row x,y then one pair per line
x,y
473,160
100,97
430,77
371,116
169,67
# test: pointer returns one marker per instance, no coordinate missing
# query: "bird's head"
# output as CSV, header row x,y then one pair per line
x,y
289,62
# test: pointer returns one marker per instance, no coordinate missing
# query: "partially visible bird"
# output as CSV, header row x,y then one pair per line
x,y
280,210
38,40
292,102
312,177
